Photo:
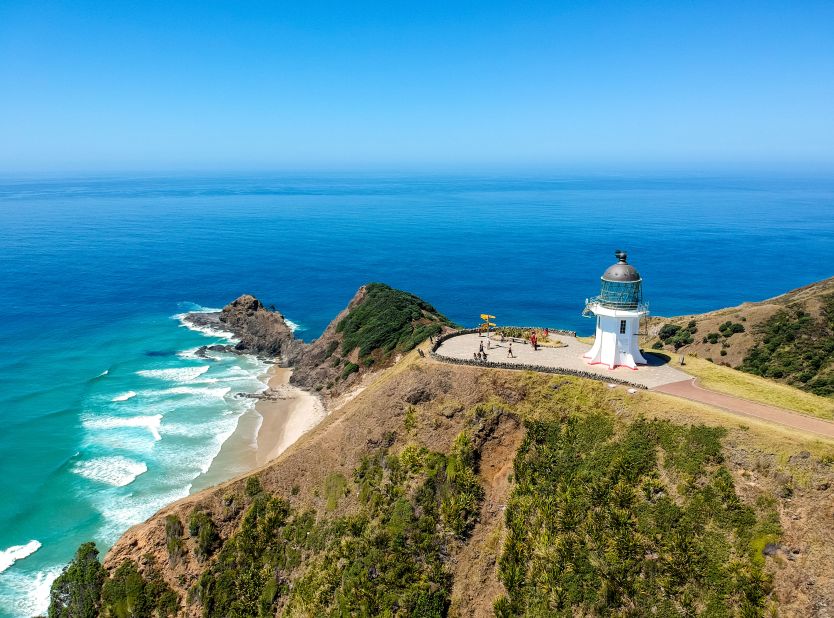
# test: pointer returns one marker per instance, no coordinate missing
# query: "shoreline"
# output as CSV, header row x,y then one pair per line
x,y
264,431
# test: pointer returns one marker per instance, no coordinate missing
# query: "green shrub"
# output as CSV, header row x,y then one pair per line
x,y
797,348
253,486
657,345
388,320
331,347
668,330
201,527
349,369
77,590
593,529
127,594
173,539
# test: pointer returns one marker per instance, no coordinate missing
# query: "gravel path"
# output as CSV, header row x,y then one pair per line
x,y
688,389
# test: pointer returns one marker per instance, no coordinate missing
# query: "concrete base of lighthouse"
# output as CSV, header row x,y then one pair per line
x,y
616,342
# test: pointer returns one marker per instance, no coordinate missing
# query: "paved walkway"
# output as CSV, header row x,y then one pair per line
x,y
688,389
568,357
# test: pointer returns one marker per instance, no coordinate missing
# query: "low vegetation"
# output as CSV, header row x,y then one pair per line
x,y
84,590
76,593
388,320
797,348
641,519
676,336
387,558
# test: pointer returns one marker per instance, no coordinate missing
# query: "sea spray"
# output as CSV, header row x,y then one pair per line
x,y
17,552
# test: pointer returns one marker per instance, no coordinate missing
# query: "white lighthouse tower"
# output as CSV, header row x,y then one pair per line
x,y
618,310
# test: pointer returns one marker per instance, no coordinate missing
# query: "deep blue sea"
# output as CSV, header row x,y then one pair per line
x,y
107,415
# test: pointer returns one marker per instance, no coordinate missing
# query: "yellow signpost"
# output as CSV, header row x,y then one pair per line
x,y
487,324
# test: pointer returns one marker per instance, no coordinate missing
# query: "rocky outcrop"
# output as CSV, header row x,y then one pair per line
x,y
259,331
378,324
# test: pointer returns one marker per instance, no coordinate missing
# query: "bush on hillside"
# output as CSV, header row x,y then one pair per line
x,y
77,590
388,320
201,527
593,527
387,558
797,348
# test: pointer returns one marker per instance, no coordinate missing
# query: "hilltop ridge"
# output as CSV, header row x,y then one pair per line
x,y
788,338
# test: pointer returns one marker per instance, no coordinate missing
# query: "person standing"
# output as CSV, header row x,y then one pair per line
x,y
510,350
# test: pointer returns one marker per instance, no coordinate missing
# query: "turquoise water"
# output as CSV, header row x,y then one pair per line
x,y
107,415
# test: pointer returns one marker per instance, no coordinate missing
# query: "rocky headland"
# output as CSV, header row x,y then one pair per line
x,y
432,492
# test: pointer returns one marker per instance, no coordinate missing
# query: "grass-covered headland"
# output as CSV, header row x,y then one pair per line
x,y
608,515
388,320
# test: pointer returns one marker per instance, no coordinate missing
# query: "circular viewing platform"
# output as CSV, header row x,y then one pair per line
x,y
461,348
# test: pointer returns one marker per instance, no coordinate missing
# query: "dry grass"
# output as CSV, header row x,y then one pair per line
x,y
747,386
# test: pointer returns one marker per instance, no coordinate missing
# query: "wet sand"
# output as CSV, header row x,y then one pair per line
x,y
264,431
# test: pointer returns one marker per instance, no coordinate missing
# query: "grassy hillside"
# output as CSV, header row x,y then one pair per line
x,y
394,506
748,386
789,338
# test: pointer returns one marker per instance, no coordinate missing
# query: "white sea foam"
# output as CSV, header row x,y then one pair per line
x,y
132,509
103,373
124,396
208,331
17,552
151,423
294,326
219,392
190,354
176,374
112,470
27,594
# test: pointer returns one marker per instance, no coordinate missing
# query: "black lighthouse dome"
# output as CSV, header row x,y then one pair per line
x,y
621,285
622,270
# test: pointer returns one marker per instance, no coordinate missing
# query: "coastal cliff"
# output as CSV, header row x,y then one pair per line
x,y
455,490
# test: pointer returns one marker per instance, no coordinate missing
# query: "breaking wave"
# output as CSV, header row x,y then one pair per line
x,y
17,552
151,423
177,374
124,396
113,470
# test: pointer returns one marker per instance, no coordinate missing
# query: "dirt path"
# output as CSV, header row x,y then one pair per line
x,y
688,389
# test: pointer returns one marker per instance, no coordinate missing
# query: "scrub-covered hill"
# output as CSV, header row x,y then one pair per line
x,y
455,490
789,338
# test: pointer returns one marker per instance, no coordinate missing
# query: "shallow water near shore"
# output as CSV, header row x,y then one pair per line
x,y
107,413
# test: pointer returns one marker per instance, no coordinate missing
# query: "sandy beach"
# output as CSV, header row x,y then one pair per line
x,y
266,430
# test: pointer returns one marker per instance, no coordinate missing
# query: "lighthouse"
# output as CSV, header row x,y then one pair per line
x,y
618,310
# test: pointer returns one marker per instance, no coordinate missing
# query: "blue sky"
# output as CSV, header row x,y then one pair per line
x,y
145,85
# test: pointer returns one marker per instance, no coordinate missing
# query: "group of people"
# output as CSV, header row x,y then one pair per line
x,y
481,354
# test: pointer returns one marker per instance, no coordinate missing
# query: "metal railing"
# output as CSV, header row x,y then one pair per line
x,y
625,305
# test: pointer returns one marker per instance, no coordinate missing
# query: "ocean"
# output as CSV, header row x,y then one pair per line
x,y
108,415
